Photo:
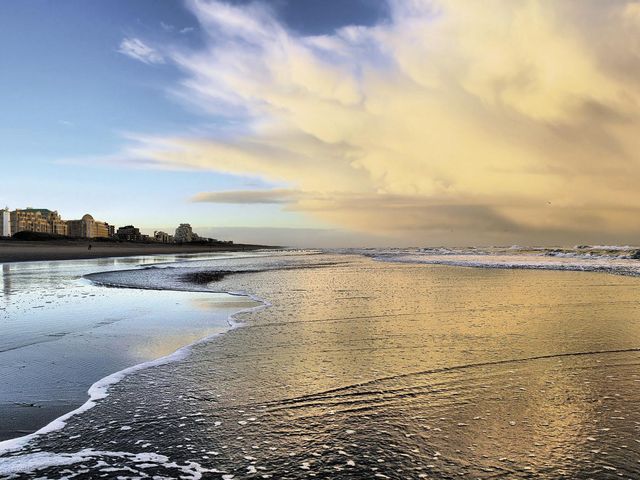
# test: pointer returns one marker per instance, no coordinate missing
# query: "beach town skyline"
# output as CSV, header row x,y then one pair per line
x,y
50,223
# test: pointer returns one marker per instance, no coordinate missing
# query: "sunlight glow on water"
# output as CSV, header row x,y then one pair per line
x,y
365,369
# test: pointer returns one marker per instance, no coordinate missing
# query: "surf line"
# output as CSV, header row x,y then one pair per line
x,y
100,389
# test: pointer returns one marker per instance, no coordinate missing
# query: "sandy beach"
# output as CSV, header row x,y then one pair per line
x,y
355,368
28,251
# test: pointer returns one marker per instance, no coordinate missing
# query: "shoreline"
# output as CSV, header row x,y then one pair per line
x,y
613,266
100,389
12,251
238,390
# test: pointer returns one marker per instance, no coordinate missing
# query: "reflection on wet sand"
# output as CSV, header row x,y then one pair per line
x,y
364,369
6,281
59,334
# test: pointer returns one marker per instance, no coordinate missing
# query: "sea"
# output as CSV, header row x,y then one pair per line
x,y
480,363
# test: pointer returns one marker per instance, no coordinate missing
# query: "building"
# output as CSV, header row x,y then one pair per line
x,y
5,223
162,237
29,220
37,220
102,230
88,227
184,233
131,234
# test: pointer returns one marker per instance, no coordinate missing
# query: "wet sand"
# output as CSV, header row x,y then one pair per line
x,y
26,251
364,369
59,334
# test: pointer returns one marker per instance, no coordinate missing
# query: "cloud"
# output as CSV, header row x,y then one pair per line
x,y
247,196
506,119
294,237
138,50
167,27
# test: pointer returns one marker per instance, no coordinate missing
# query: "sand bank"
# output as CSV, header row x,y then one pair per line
x,y
26,251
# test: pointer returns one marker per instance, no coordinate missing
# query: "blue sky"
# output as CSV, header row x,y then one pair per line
x,y
69,96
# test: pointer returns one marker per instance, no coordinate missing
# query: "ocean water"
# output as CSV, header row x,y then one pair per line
x,y
376,364
60,333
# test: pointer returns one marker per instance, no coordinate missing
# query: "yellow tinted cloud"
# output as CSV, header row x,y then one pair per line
x,y
452,119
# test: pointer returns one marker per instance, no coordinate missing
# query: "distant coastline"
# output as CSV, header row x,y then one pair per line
x,y
77,249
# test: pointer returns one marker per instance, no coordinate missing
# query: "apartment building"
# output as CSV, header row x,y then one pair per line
x,y
37,220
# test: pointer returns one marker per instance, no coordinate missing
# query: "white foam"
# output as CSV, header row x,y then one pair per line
x,y
32,462
564,262
99,390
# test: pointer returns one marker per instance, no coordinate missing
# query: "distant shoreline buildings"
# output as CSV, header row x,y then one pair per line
x,y
5,222
45,221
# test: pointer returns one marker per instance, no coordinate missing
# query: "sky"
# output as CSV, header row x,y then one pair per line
x,y
328,122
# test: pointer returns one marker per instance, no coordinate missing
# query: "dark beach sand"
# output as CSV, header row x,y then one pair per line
x,y
26,251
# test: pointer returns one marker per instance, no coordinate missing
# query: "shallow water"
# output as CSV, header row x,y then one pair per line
x,y
59,334
369,369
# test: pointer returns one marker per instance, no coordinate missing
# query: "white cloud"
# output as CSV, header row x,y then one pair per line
x,y
508,117
138,50
167,27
